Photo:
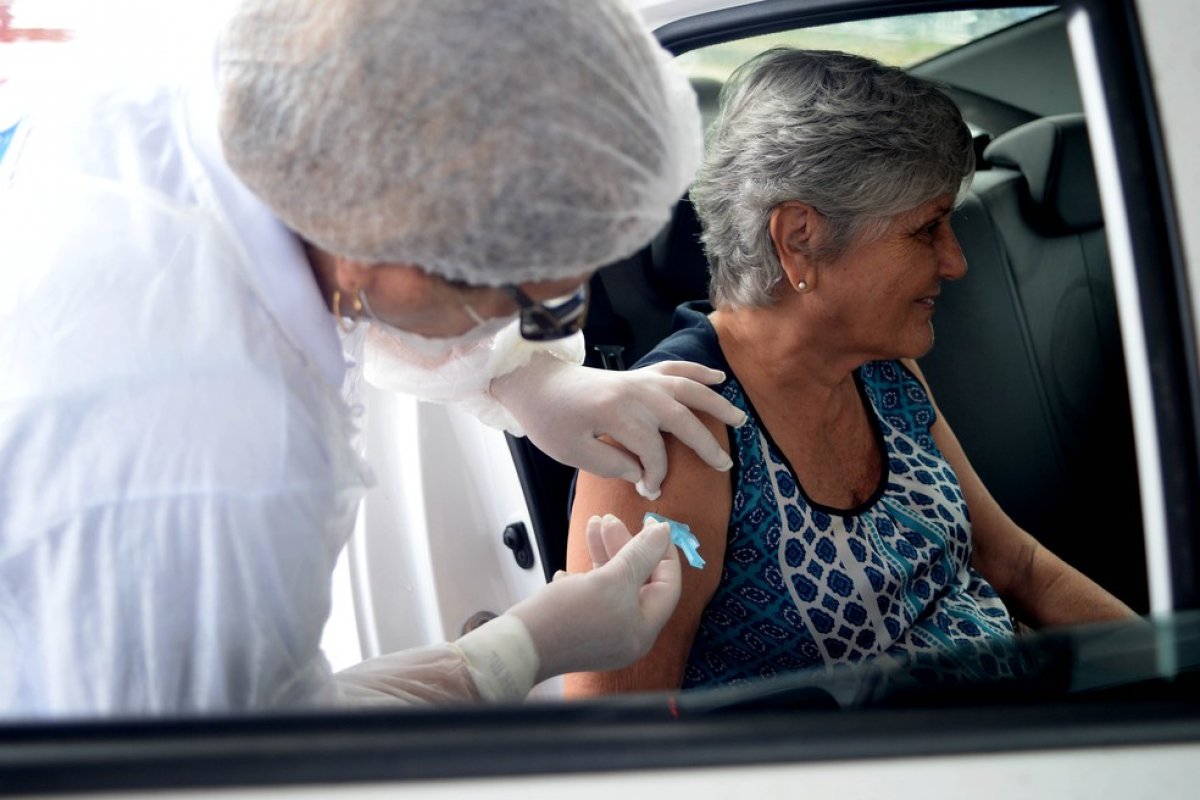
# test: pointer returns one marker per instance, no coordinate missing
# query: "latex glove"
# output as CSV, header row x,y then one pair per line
x,y
609,617
565,408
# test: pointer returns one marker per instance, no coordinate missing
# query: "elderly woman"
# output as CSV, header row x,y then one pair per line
x,y
852,524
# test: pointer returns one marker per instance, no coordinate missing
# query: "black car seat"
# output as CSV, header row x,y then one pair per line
x,y
1028,366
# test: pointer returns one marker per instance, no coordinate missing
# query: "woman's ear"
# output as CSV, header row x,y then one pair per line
x,y
792,226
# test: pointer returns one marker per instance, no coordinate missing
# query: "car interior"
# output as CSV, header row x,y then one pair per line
x,y
1027,366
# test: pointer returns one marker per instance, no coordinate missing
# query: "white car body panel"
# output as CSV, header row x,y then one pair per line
x,y
427,553
1169,29
1109,774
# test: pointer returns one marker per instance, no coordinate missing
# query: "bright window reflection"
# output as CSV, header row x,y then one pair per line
x,y
899,41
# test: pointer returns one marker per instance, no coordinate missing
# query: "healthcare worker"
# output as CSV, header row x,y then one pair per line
x,y
176,470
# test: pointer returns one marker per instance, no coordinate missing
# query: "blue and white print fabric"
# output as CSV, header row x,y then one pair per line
x,y
808,586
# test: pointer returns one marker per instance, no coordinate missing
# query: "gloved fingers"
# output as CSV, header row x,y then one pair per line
x,y
601,458
660,595
688,429
613,536
647,444
635,562
605,537
687,369
595,543
705,400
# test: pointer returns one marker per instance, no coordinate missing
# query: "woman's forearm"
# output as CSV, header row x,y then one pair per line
x,y
1050,592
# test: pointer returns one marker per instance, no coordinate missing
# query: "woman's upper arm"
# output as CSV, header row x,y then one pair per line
x,y
694,494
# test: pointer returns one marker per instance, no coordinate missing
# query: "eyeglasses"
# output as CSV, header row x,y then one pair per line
x,y
541,322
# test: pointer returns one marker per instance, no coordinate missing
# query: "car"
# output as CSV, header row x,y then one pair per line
x,y
1083,234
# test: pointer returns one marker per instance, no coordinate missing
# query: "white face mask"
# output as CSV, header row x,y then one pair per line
x,y
457,369
430,351
438,369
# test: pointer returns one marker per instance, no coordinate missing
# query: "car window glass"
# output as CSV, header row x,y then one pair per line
x,y
899,41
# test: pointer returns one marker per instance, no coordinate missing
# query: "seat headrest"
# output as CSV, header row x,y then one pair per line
x,y
708,97
1055,157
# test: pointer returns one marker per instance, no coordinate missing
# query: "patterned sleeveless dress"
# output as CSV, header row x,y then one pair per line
x,y
804,585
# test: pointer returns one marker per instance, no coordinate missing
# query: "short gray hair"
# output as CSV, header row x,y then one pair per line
x,y
858,141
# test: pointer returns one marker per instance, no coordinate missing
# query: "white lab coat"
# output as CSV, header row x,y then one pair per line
x,y
176,474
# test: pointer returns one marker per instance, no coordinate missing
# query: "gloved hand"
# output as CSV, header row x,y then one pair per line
x,y
565,408
609,617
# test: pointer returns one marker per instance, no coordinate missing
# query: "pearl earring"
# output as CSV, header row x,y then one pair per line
x,y
802,286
